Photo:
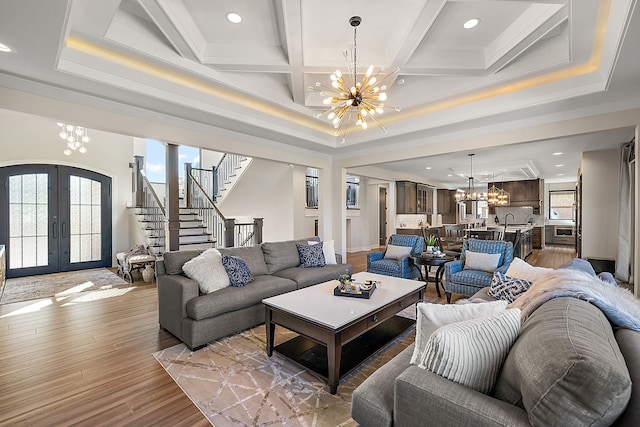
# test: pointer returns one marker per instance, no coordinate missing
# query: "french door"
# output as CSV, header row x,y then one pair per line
x,y
54,218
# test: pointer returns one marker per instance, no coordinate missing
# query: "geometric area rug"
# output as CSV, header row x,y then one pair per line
x,y
233,382
60,284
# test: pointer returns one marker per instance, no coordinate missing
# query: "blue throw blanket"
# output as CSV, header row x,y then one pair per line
x,y
618,304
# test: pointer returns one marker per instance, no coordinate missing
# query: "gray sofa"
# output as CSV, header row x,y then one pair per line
x,y
567,366
197,319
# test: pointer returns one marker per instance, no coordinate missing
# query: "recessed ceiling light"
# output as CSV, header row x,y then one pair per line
x,y
428,168
449,175
557,154
234,18
471,23
4,48
559,166
560,174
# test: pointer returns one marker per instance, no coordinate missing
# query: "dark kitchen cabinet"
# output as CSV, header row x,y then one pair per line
x,y
529,192
406,197
425,199
447,206
413,198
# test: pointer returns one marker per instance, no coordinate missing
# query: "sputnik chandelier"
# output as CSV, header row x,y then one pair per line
x,y
352,99
470,195
75,136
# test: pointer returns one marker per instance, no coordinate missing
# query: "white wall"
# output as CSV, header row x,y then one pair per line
x,y
27,139
265,191
209,159
600,203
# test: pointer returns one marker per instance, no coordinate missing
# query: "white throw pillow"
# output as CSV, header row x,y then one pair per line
x,y
329,252
481,261
432,316
207,270
397,252
472,352
523,270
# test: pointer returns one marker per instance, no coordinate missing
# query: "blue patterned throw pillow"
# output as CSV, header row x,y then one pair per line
x,y
311,255
237,270
507,288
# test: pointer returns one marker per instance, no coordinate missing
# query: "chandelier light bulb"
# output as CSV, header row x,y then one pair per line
x,y
353,100
74,137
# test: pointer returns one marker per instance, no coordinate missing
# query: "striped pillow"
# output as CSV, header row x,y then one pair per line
x,y
472,352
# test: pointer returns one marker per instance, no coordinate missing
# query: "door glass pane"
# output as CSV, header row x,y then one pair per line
x,y
28,220
85,221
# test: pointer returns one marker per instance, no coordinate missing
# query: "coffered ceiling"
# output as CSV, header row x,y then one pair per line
x,y
185,59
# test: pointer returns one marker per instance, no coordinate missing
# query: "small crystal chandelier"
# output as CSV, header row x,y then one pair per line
x,y
75,136
470,195
497,196
360,100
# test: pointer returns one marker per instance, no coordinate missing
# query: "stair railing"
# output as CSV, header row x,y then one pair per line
x,y
154,217
226,169
224,231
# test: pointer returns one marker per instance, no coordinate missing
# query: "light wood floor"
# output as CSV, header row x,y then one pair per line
x,y
88,362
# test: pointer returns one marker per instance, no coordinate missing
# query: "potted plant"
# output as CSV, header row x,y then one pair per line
x,y
431,242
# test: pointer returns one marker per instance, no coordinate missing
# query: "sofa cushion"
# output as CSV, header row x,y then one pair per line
x,y
207,270
372,401
431,316
523,270
237,270
281,255
471,352
174,260
234,298
566,367
507,288
251,255
311,256
312,276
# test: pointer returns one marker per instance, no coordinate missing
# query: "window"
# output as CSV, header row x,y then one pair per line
x,y
312,188
353,187
155,160
561,204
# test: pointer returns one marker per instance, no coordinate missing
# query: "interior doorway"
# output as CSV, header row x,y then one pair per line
x,y
382,207
58,219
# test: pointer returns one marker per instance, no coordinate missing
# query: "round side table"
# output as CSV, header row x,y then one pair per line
x,y
429,260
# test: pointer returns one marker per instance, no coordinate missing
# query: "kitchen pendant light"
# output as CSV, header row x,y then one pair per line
x,y
470,195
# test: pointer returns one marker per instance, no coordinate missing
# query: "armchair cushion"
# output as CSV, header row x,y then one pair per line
x,y
481,261
397,252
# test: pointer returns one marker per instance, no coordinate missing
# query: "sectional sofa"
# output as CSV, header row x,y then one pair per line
x,y
568,367
197,318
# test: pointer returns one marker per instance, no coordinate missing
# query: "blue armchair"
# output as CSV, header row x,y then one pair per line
x,y
402,267
468,282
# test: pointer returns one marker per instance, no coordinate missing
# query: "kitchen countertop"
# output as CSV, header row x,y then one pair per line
x,y
510,229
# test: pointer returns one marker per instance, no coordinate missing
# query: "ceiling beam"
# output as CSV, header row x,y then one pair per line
x,y
289,21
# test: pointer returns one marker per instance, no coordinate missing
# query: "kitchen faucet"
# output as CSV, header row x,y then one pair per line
x,y
505,220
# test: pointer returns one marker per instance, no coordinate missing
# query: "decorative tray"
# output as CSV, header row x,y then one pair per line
x,y
342,291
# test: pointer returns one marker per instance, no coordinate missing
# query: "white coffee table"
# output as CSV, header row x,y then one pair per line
x,y
333,321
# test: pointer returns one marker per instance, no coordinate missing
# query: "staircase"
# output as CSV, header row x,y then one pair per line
x,y
193,234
